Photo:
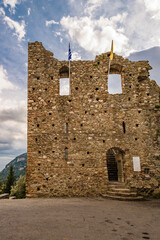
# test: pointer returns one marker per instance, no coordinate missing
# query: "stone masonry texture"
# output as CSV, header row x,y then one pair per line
x,y
73,140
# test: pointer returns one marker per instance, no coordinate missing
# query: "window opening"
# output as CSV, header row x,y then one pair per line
x,y
66,153
64,86
146,170
124,127
64,81
66,127
114,84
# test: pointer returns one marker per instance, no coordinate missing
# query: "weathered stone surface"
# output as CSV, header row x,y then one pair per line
x,y
102,128
13,197
4,196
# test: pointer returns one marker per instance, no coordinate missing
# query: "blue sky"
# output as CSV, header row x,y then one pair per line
x,y
89,25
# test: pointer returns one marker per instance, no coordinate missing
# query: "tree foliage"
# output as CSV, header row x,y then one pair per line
x,y
19,189
1,184
10,180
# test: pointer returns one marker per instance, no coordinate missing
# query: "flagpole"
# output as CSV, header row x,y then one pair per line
x,y
110,59
69,78
109,67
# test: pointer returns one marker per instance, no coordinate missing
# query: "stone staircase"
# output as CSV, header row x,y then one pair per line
x,y
119,191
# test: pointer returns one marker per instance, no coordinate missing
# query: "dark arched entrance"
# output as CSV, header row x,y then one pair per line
x,y
115,161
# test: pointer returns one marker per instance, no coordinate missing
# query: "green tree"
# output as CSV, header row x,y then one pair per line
x,y
10,180
1,185
19,189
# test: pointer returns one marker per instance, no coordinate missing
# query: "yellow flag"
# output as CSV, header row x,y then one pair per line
x,y
111,55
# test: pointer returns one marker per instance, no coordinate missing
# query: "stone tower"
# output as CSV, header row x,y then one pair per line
x,y
79,142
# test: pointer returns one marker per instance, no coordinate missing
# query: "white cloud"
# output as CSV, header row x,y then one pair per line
x,y
13,126
61,40
18,27
51,22
2,12
12,4
95,35
29,11
92,6
5,83
153,7
76,56
57,34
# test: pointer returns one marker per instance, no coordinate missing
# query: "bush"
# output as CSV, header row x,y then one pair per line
x,y
156,193
19,190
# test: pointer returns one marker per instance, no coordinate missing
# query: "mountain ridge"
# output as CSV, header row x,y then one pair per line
x,y
19,165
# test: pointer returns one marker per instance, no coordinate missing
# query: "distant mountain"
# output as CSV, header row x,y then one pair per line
x,y
19,166
153,56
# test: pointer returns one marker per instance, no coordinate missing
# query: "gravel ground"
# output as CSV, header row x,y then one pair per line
x,y
79,219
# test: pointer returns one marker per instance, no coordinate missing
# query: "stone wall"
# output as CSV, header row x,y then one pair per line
x,y
74,163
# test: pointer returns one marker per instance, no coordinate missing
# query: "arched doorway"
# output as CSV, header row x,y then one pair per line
x,y
115,162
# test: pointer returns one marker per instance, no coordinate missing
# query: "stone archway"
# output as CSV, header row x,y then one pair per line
x,y
115,162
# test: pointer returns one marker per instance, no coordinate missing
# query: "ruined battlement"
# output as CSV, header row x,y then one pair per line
x,y
73,140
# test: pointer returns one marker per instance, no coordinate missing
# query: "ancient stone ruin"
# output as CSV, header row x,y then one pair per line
x,y
80,142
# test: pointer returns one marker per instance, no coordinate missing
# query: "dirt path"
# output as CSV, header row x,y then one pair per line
x,y
79,219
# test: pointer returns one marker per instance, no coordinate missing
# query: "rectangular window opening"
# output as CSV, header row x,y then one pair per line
x,y
66,153
64,86
114,84
66,127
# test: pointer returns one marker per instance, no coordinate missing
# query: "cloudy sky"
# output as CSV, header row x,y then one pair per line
x,y
89,25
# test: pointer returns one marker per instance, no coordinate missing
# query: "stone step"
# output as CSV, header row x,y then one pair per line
x,y
124,194
118,186
122,198
120,189
4,196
